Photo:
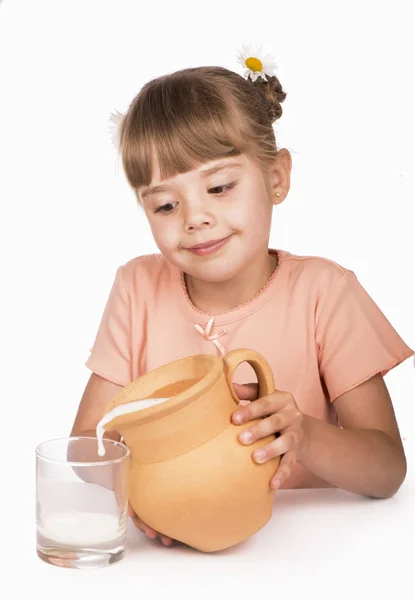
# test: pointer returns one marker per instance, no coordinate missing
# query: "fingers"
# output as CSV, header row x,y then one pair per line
x,y
244,402
285,467
148,531
263,407
275,423
166,541
246,391
289,418
278,414
151,533
282,445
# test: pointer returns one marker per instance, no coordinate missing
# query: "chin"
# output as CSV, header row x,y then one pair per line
x,y
218,268
212,273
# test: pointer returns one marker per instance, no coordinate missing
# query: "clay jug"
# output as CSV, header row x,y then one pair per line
x,y
190,477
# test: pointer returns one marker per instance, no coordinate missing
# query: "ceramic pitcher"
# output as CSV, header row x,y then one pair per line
x,y
191,479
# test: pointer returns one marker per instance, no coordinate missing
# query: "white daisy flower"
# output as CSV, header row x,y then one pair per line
x,y
114,126
256,63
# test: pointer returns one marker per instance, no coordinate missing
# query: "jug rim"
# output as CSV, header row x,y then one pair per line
x,y
172,404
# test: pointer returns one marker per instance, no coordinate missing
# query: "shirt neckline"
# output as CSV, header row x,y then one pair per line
x,y
242,310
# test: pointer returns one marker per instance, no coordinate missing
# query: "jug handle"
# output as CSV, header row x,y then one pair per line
x,y
263,371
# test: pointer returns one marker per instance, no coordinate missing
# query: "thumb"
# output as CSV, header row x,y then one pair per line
x,y
246,391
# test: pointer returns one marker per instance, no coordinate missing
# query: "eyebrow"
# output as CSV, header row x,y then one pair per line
x,y
152,191
220,167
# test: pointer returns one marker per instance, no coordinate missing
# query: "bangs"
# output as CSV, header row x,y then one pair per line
x,y
177,123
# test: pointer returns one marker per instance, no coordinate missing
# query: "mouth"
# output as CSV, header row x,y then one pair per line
x,y
208,247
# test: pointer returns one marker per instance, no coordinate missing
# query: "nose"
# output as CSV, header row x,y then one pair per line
x,y
198,216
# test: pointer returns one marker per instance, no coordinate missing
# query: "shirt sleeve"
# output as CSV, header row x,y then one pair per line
x,y
110,356
354,339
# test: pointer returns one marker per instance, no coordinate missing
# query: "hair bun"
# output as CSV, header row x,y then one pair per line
x,y
273,94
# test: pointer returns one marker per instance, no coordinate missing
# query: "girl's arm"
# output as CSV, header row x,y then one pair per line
x,y
367,455
96,397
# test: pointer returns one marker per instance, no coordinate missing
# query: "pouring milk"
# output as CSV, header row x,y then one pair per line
x,y
123,409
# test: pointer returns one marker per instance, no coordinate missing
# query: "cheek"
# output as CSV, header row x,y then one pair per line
x,y
163,233
252,211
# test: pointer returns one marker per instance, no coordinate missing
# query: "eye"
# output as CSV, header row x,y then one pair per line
x,y
222,190
166,208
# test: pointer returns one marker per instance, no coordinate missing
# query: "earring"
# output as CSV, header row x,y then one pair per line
x,y
277,194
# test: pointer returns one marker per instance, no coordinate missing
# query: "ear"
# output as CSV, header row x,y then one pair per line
x,y
280,176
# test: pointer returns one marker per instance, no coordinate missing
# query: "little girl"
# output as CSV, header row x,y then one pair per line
x,y
199,151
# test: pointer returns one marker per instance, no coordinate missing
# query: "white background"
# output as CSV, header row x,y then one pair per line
x,y
68,218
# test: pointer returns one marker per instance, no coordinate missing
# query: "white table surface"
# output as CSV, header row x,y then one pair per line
x,y
320,543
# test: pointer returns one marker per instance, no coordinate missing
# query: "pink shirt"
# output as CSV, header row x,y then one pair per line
x,y
317,327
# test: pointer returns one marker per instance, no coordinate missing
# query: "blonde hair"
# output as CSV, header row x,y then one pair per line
x,y
196,115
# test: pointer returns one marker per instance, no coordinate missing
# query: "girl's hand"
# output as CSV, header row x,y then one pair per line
x,y
152,534
282,417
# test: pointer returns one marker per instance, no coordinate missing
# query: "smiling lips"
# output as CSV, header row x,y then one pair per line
x,y
208,247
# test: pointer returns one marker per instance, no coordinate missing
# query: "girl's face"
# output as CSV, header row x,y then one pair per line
x,y
223,206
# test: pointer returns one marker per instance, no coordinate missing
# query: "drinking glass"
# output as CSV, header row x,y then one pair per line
x,y
81,502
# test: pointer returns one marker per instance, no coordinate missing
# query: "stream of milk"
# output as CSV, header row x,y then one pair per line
x,y
123,409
